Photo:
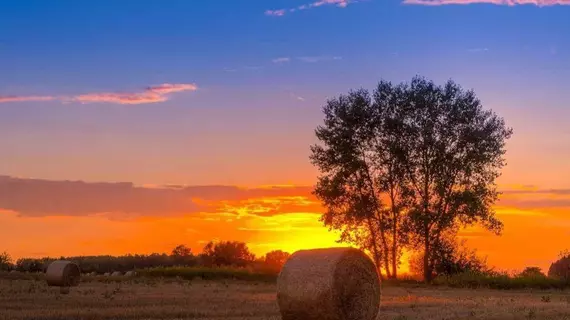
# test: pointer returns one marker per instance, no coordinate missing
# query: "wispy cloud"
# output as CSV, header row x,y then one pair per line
x,y
297,97
318,59
4,99
540,3
316,4
152,94
281,60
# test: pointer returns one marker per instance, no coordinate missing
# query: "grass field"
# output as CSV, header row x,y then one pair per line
x,y
210,300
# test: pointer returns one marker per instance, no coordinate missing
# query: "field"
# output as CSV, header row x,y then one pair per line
x,y
98,298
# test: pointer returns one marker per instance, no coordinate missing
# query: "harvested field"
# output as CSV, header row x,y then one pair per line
x,y
213,300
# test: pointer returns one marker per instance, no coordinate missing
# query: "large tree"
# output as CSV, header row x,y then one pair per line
x,y
359,178
452,151
411,163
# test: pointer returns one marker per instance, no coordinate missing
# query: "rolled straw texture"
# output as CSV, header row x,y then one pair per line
x,y
331,284
63,274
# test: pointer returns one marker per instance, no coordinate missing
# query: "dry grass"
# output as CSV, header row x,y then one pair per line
x,y
213,300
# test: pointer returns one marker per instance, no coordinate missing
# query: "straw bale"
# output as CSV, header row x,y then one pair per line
x,y
131,273
116,274
331,284
63,273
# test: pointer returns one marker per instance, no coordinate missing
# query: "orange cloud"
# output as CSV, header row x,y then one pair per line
x,y
124,201
152,94
540,3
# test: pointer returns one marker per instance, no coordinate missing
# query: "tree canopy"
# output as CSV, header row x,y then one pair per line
x,y
402,166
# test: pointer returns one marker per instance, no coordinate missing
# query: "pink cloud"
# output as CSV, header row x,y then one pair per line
x,y
121,98
25,98
167,88
338,3
152,94
540,3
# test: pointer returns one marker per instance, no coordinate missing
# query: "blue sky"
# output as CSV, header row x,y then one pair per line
x,y
261,81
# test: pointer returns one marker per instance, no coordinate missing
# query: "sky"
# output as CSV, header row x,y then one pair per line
x,y
133,126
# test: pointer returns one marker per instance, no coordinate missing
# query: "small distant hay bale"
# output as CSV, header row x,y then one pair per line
x,y
131,273
63,273
106,274
332,284
116,274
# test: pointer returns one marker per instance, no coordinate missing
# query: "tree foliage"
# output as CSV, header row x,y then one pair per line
x,y
228,253
407,164
5,261
275,260
181,251
532,272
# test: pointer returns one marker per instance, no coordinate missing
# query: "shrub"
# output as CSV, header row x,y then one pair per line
x,y
560,269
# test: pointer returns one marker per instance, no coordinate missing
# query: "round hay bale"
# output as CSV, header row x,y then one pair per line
x,y
63,274
116,274
106,274
332,284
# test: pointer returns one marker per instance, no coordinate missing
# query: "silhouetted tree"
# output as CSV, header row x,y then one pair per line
x,y
275,260
532,272
181,251
560,269
182,255
228,253
417,160
362,182
5,262
452,151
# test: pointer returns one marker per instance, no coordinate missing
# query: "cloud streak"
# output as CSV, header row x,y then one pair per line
x,y
316,4
38,198
152,94
539,3
5,99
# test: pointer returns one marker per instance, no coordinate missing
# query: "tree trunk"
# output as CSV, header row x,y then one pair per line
x,y
394,257
427,254
375,248
386,254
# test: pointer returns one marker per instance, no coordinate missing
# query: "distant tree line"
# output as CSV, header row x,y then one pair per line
x,y
222,254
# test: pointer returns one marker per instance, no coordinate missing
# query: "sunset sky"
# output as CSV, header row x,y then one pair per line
x,y
133,126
